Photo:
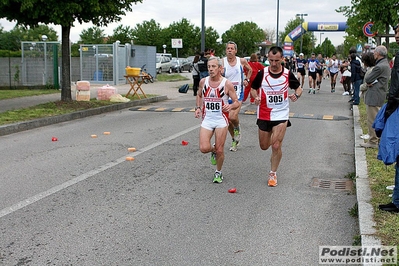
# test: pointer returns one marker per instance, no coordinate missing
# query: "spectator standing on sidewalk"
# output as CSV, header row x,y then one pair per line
x,y
345,77
196,74
376,81
255,66
356,79
391,118
203,63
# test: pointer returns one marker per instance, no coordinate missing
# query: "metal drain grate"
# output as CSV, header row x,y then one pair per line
x,y
334,184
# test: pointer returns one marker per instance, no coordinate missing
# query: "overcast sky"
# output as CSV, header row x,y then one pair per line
x,y
222,14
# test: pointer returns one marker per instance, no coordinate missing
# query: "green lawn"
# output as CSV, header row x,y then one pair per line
x,y
380,176
9,94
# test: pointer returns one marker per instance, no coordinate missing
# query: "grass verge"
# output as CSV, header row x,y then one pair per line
x,y
9,94
52,109
380,177
170,77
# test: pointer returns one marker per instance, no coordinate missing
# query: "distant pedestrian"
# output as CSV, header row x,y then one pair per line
x,y
196,74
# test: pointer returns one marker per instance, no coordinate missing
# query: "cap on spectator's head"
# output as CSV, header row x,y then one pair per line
x,y
301,54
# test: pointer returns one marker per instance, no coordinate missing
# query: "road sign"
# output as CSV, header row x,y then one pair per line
x,y
177,43
367,29
359,48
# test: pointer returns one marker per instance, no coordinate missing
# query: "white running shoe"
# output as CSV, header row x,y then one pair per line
x,y
345,93
365,136
391,187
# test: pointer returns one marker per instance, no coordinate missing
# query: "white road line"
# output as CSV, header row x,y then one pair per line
x,y
84,176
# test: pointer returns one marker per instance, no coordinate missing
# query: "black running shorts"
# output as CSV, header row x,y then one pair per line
x,y
267,126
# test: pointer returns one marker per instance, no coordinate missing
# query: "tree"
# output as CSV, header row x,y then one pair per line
x,y
93,35
246,35
383,14
12,39
124,34
65,13
186,31
326,48
270,34
148,33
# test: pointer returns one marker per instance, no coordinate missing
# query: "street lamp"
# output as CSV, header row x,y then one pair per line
x,y
301,15
164,48
44,39
278,14
320,37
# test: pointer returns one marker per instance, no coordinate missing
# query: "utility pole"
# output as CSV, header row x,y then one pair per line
x,y
301,16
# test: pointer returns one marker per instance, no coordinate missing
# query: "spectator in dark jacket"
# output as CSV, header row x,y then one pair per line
x,y
356,79
392,105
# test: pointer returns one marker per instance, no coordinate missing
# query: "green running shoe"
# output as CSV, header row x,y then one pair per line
x,y
237,135
213,158
218,177
233,146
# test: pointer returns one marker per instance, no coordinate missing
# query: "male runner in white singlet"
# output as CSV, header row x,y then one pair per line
x,y
213,104
233,71
270,90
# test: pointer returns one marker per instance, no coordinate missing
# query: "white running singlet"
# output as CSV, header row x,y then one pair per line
x,y
334,66
213,101
274,101
236,75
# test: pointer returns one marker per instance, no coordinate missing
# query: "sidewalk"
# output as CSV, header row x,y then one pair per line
x,y
163,90
169,89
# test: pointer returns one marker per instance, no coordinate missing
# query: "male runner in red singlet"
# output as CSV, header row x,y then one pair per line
x,y
213,104
270,90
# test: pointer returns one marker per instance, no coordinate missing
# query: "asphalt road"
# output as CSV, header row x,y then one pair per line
x,y
77,201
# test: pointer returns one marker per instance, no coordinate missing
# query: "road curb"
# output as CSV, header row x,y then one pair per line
x,y
363,191
27,125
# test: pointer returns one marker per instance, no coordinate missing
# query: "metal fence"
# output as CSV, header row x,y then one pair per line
x,y
39,65
103,63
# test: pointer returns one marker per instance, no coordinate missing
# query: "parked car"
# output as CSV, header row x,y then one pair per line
x,y
175,65
180,65
163,64
186,65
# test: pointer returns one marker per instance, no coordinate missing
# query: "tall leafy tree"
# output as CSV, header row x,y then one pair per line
x,y
11,40
92,35
148,33
124,34
186,31
246,35
65,13
384,14
326,48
